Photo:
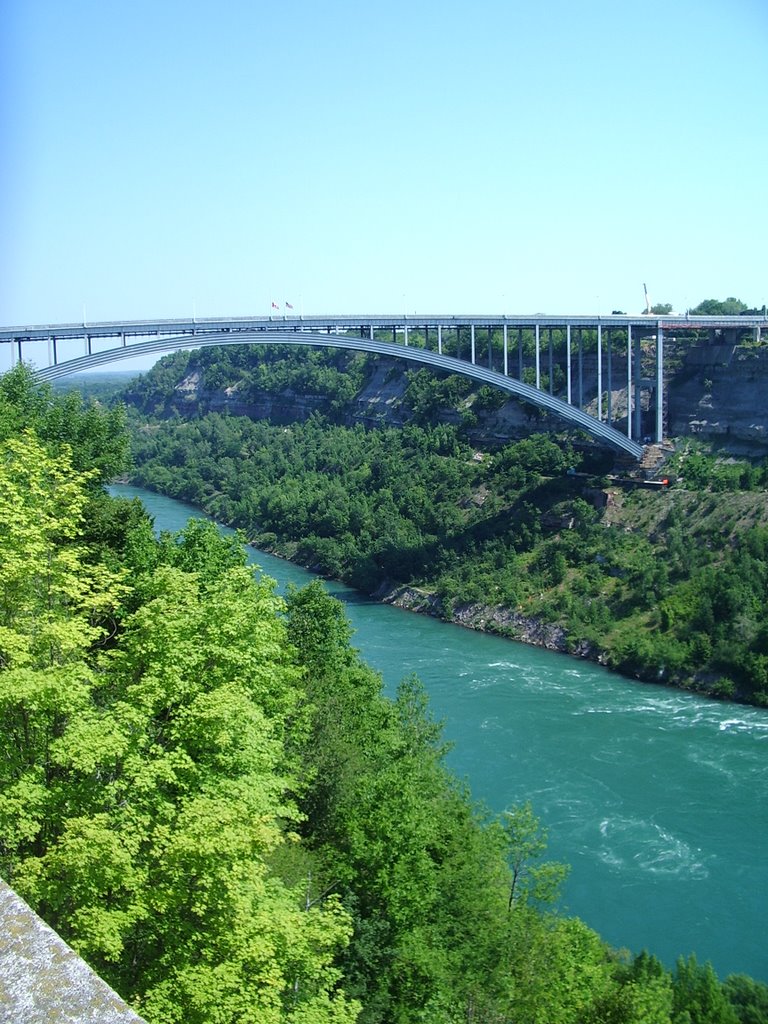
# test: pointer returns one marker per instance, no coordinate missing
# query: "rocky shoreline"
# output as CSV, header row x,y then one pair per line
x,y
488,619
511,625
483,618
495,620
529,630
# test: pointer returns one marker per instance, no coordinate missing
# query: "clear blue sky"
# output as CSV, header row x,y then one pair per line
x,y
164,158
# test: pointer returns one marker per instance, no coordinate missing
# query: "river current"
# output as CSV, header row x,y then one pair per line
x,y
657,799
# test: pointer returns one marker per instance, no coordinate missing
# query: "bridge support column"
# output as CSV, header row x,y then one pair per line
x,y
490,348
520,353
638,386
551,365
405,332
608,347
472,335
659,384
506,351
568,363
538,357
581,368
599,371
629,382
439,340
370,333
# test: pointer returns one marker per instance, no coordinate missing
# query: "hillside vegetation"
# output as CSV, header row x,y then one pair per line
x,y
205,793
527,538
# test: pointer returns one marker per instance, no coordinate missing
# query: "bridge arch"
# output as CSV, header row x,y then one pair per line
x,y
569,413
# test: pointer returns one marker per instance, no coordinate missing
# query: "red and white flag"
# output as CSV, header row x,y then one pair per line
x,y
275,306
288,305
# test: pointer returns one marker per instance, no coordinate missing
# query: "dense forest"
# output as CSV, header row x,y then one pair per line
x,y
668,586
204,791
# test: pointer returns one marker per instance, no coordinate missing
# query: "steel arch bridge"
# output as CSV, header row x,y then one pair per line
x,y
570,413
363,333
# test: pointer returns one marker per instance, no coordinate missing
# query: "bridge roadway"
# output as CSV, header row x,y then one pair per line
x,y
358,333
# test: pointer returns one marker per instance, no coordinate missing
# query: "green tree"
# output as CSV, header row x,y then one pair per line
x,y
200,547
143,790
715,307
642,995
94,436
53,599
698,996
749,998
559,969
527,841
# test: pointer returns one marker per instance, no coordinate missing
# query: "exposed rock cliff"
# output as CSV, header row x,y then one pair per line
x,y
715,392
487,619
719,395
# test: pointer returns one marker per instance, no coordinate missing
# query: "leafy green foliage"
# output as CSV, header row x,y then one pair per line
x,y
515,529
94,435
702,471
697,995
145,788
52,602
428,393
749,998
204,790
527,841
716,307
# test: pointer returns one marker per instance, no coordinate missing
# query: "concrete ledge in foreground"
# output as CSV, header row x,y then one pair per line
x,y
42,980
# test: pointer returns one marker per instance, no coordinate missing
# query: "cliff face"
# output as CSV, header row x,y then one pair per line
x,y
717,393
720,395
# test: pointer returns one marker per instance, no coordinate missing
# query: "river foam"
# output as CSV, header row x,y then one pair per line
x,y
648,847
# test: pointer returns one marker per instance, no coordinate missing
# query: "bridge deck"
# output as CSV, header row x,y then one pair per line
x,y
134,328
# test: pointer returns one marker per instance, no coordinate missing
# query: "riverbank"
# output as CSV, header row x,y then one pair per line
x,y
484,618
488,619
529,630
495,620
503,622
513,625
633,782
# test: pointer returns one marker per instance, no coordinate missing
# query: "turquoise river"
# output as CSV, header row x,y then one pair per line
x,y
657,799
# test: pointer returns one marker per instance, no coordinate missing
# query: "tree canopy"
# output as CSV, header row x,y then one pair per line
x,y
205,792
720,307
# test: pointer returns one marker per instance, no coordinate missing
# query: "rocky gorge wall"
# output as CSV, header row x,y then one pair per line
x,y
715,392
720,395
